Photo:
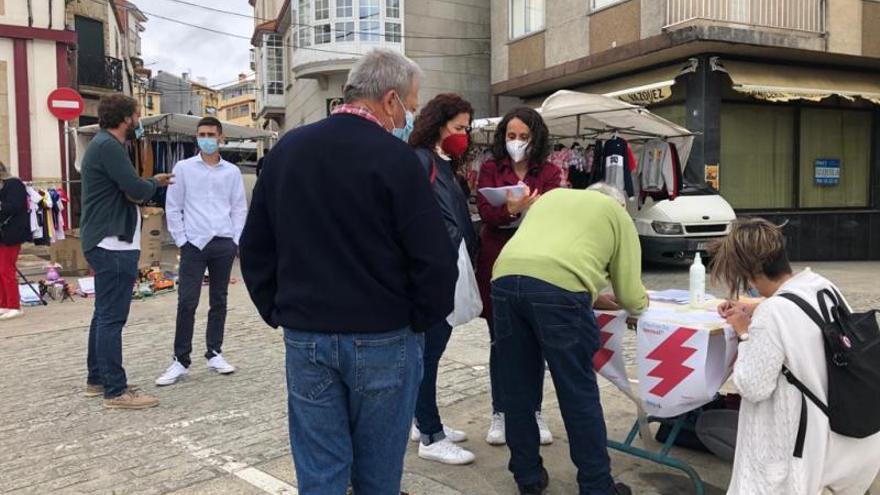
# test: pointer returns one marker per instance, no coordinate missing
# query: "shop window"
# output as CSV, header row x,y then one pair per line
x,y
835,155
673,113
526,16
757,156
392,32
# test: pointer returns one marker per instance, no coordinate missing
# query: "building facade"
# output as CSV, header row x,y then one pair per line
x,y
108,50
305,48
238,102
34,55
182,95
783,96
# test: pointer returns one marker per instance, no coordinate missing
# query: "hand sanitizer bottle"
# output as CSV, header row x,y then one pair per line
x,y
698,283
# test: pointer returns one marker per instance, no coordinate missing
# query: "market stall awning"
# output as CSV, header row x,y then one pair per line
x,y
786,83
185,125
573,116
645,88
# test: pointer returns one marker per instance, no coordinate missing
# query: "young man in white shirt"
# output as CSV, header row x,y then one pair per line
x,y
206,210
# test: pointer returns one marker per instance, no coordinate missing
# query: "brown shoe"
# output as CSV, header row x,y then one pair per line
x,y
131,399
98,390
94,390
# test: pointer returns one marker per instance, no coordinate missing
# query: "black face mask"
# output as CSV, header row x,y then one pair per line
x,y
129,134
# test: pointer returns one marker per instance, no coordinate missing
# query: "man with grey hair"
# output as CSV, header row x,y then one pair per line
x,y
345,249
545,285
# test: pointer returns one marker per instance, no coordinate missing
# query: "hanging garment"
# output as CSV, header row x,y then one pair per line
x,y
618,161
655,159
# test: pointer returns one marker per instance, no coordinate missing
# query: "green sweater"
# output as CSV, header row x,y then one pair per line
x,y
107,177
576,240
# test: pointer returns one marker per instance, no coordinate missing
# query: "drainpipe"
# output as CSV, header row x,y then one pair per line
x,y
30,13
50,14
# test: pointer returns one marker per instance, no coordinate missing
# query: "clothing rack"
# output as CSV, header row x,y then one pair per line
x,y
50,182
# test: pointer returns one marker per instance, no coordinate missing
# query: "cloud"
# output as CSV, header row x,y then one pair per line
x,y
176,48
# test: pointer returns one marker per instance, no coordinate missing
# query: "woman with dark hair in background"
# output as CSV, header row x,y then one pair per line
x,y
520,151
441,138
14,231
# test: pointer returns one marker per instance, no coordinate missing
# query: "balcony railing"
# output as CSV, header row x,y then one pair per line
x,y
101,72
797,15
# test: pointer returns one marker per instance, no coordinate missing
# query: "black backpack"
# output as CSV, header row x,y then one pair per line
x,y
852,351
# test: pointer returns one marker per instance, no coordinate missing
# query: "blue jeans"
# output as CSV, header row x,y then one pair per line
x,y
351,399
115,274
533,317
427,413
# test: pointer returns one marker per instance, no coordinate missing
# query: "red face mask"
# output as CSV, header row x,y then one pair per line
x,y
455,145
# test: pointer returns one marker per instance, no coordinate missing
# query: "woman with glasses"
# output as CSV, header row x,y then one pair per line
x,y
441,139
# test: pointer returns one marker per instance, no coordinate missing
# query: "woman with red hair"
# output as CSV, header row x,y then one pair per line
x,y
441,138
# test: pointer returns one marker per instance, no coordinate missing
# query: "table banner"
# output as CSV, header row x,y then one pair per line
x,y
608,360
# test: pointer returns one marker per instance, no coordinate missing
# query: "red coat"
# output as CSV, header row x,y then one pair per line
x,y
542,178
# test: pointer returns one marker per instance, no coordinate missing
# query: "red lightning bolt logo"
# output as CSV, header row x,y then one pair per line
x,y
672,354
603,355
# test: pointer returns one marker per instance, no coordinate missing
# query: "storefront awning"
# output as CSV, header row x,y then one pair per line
x,y
786,83
645,88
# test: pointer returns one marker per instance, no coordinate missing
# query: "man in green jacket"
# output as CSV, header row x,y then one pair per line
x,y
110,228
544,286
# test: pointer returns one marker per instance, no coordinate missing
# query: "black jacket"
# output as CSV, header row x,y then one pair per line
x,y
15,223
344,235
452,201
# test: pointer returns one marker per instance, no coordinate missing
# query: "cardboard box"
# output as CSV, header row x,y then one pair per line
x,y
151,236
69,254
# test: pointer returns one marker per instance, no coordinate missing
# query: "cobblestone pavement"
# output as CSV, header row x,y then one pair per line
x,y
228,434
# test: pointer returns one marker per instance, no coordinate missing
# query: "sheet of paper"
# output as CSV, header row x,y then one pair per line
x,y
497,196
87,285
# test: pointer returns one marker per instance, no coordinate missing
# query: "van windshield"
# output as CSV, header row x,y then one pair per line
x,y
693,189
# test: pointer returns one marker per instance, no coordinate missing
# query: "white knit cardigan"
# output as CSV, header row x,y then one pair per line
x,y
781,333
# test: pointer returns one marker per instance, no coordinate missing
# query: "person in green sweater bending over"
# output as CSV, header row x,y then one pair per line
x,y
110,230
544,286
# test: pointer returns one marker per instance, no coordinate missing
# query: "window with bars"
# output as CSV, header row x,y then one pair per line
x,y
322,34
345,31
392,32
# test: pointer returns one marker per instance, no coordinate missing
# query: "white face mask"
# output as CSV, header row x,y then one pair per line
x,y
517,150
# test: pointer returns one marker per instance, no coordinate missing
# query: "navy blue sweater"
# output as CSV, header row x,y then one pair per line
x,y
344,234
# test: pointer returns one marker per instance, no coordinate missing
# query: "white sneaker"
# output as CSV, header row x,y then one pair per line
x,y
455,436
496,435
10,314
174,373
446,452
546,436
218,364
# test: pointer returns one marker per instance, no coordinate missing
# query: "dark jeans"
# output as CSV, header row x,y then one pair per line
x,y
493,374
532,316
115,274
217,257
351,399
427,414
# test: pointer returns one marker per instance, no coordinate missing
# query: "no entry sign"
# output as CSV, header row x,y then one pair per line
x,y
65,104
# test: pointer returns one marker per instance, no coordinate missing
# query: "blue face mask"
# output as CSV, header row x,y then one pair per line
x,y
403,133
208,145
753,292
139,130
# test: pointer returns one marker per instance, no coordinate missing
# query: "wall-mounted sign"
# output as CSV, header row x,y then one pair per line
x,y
713,177
827,171
646,96
332,103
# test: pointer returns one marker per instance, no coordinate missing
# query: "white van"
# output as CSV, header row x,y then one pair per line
x,y
673,231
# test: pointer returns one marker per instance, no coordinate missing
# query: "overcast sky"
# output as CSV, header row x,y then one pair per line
x,y
176,48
